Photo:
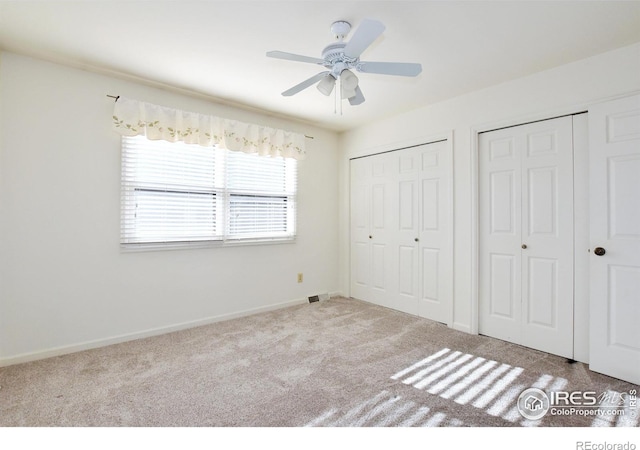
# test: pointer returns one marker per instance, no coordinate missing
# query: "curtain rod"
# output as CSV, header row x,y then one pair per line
x,y
116,97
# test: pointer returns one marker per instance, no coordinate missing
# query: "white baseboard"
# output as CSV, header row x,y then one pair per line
x,y
73,348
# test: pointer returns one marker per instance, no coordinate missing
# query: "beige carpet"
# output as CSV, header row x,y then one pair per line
x,y
336,363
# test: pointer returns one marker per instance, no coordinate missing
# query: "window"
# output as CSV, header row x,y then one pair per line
x,y
177,193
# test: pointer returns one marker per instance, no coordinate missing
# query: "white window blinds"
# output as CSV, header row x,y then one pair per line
x,y
261,195
176,193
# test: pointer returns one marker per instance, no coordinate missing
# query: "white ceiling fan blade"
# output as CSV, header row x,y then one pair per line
x,y
305,84
367,32
294,57
390,68
358,98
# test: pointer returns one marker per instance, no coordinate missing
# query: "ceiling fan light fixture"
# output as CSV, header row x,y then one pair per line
x,y
341,59
326,84
348,84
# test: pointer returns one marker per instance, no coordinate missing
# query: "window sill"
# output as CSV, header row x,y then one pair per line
x,y
160,246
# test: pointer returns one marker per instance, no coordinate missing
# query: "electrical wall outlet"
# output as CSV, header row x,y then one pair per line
x,y
300,278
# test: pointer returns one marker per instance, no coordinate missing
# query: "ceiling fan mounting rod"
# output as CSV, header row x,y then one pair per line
x,y
340,29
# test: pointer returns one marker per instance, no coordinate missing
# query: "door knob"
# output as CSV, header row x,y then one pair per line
x,y
599,251
370,236
416,239
524,246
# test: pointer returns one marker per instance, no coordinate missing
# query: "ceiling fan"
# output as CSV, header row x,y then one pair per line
x,y
341,58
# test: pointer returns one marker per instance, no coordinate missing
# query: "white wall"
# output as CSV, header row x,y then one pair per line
x,y
64,282
562,90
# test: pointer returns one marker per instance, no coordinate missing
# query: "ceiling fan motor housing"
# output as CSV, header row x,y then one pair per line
x,y
335,59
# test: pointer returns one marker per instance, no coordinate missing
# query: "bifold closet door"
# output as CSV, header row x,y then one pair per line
x,y
423,238
401,244
526,235
373,224
435,232
359,216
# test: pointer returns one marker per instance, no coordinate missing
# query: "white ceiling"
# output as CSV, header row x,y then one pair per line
x,y
217,48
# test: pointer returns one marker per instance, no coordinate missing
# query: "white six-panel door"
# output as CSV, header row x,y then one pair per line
x,y
436,232
360,228
614,157
526,235
407,271
372,195
401,240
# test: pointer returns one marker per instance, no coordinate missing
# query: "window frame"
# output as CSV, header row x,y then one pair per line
x,y
222,195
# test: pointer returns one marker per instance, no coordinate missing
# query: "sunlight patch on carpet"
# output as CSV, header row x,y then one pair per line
x,y
485,384
386,409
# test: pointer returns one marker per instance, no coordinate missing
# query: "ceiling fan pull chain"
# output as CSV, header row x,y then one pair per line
x,y
339,96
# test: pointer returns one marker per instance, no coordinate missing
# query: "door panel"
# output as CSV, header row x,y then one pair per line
x,y
407,205
429,156
502,206
500,231
435,233
502,294
623,282
361,256
543,205
624,206
401,249
360,208
360,227
614,156
407,270
430,205
543,292
378,266
547,216
501,149
542,143
430,268
384,221
526,235
378,206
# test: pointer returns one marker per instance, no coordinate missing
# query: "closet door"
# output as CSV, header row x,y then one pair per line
x,y
360,206
401,239
383,225
526,235
405,242
614,155
436,232
500,235
373,222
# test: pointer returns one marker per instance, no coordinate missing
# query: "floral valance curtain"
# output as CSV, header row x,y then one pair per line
x,y
133,118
